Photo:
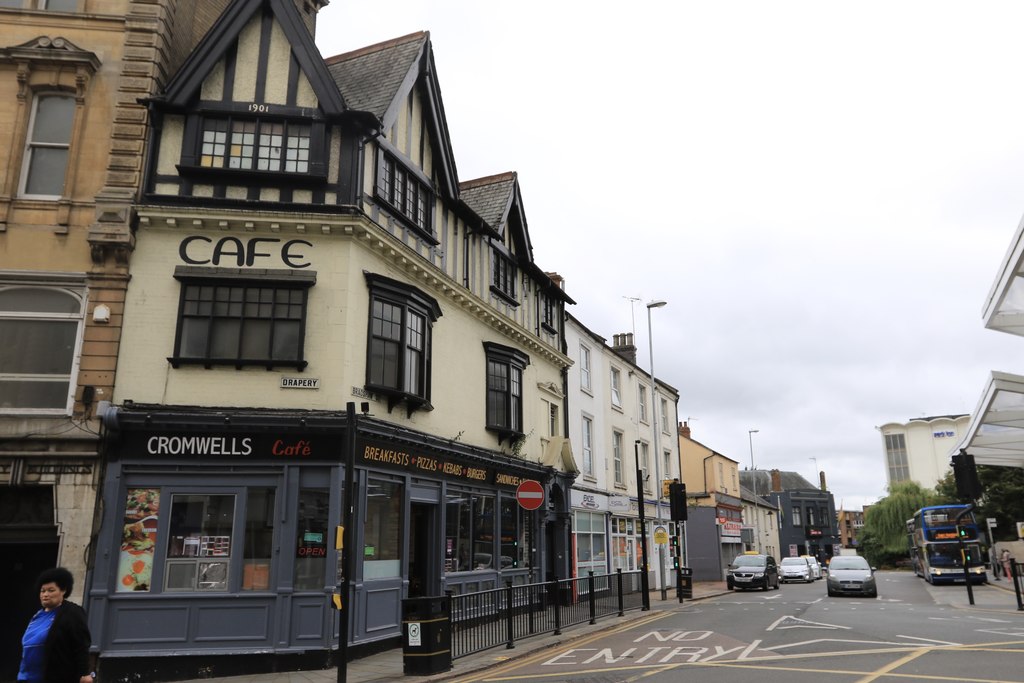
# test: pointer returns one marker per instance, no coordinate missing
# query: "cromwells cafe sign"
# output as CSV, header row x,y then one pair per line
x,y
381,454
257,446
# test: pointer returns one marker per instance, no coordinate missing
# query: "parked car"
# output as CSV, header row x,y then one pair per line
x,y
795,569
753,571
812,562
851,575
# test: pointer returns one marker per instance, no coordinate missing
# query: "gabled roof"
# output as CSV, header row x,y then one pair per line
x,y
497,201
491,198
224,33
790,481
378,78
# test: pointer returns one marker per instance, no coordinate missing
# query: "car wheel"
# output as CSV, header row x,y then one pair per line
x,y
873,594
831,594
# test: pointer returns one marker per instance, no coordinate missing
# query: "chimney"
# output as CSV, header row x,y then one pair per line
x,y
776,481
557,279
684,430
622,344
309,9
821,478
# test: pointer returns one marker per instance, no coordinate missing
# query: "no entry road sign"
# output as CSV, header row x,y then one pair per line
x,y
530,494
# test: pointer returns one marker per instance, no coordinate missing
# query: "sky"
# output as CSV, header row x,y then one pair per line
x,y
822,192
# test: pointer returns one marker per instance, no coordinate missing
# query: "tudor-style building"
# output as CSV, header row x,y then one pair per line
x,y
304,243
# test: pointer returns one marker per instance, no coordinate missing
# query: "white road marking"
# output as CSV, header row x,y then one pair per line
x,y
834,640
930,640
793,622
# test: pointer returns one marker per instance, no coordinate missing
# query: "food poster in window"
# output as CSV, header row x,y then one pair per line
x,y
138,540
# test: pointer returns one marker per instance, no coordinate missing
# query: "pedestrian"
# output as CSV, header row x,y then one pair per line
x,y
55,647
1004,557
993,557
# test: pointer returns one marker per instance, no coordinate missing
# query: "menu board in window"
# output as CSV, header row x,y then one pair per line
x,y
138,540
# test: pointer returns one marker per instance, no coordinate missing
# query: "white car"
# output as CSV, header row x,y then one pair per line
x,y
795,569
812,562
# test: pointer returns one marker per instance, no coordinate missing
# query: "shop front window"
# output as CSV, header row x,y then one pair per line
x,y
382,531
590,543
310,545
469,532
624,531
199,550
258,546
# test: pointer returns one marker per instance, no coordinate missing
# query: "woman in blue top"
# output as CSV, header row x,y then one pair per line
x,y
55,647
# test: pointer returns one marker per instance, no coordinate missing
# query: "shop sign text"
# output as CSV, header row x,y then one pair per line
x,y
196,250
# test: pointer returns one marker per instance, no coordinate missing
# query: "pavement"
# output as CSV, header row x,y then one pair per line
x,y
997,596
388,666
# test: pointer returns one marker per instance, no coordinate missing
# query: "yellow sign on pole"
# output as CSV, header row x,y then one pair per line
x,y
660,535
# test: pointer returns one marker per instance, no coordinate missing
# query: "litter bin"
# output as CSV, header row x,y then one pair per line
x,y
686,583
426,636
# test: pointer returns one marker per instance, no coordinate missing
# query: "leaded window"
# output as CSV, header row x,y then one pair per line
x,y
505,367
247,144
229,321
399,346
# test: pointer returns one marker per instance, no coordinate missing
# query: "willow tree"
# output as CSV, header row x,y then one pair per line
x,y
885,524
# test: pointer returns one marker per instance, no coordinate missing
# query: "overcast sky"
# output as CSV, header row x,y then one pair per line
x,y
822,192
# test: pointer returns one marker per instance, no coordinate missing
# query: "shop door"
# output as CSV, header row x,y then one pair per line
x,y
424,551
22,564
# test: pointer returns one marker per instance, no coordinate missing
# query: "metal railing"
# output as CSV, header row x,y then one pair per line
x,y
501,616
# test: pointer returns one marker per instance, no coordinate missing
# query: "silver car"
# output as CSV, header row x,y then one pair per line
x,y
851,575
795,569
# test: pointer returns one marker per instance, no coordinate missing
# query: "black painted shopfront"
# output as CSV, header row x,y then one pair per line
x,y
216,551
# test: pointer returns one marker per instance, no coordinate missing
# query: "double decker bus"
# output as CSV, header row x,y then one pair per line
x,y
934,541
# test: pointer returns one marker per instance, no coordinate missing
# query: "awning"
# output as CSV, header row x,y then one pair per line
x,y
1004,307
995,435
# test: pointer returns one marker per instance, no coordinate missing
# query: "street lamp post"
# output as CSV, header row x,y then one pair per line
x,y
753,475
655,410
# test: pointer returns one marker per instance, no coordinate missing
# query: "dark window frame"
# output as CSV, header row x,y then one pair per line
x,y
407,193
409,301
503,276
218,278
513,362
548,309
192,149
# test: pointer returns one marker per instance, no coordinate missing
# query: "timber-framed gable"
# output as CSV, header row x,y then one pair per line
x,y
254,120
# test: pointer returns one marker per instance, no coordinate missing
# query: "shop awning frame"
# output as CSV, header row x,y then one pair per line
x,y
995,435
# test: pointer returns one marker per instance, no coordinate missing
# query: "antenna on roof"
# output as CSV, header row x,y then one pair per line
x,y
632,311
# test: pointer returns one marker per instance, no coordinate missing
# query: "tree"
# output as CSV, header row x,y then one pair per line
x,y
884,540
1003,498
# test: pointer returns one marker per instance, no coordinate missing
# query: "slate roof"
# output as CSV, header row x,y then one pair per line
x,y
369,78
791,481
489,197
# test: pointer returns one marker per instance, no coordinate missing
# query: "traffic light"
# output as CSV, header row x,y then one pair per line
x,y
675,551
965,473
961,532
677,501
